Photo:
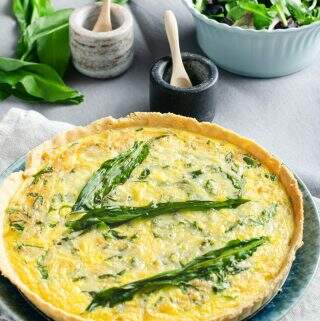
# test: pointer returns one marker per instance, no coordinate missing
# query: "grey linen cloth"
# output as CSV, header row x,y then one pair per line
x,y
281,114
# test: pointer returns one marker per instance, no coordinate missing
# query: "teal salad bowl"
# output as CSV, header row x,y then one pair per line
x,y
257,53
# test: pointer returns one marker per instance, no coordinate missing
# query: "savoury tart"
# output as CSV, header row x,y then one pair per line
x,y
149,217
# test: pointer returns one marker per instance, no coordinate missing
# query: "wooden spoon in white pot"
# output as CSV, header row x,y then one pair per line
x,y
103,23
179,77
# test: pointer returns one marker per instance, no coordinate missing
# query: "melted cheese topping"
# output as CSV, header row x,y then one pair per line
x,y
63,270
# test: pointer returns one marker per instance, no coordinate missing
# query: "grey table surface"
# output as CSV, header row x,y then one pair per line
x,y
281,114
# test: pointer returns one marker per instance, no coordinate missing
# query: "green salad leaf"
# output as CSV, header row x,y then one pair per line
x,y
215,266
260,14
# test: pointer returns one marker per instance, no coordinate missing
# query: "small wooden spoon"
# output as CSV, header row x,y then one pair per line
x,y
103,23
179,77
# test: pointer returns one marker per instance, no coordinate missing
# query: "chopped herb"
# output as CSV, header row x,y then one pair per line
x,y
36,177
139,129
144,174
38,201
117,215
193,225
215,265
265,217
76,279
196,173
236,182
272,177
250,161
114,257
41,267
229,157
210,186
52,225
109,275
18,225
113,234
21,245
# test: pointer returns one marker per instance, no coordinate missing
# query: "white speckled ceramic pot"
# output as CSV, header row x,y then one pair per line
x,y
101,54
257,53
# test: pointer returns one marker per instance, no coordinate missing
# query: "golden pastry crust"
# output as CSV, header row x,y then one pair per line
x,y
37,158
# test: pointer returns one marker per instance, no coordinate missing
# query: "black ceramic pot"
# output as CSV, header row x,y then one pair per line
x,y
196,101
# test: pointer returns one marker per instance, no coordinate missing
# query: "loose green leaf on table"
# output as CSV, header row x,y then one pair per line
x,y
111,173
41,27
40,39
48,53
34,82
117,215
27,11
215,265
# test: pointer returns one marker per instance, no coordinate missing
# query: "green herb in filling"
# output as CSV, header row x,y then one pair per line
x,y
18,225
42,268
196,173
251,162
144,174
36,177
265,217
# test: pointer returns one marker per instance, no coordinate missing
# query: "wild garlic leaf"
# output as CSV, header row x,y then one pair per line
x,y
48,53
44,49
35,82
112,172
27,11
42,27
117,215
215,265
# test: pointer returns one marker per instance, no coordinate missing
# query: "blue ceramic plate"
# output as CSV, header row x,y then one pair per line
x,y
14,307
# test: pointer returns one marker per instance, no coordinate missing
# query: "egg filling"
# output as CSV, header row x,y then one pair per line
x,y
68,263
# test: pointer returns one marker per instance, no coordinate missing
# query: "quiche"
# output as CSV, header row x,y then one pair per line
x,y
149,217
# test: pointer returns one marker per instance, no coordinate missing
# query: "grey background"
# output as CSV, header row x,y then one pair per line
x,y
281,114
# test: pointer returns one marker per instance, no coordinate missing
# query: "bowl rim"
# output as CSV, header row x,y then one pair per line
x,y
224,26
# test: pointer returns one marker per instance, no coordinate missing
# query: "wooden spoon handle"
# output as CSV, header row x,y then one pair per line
x,y
171,26
103,23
